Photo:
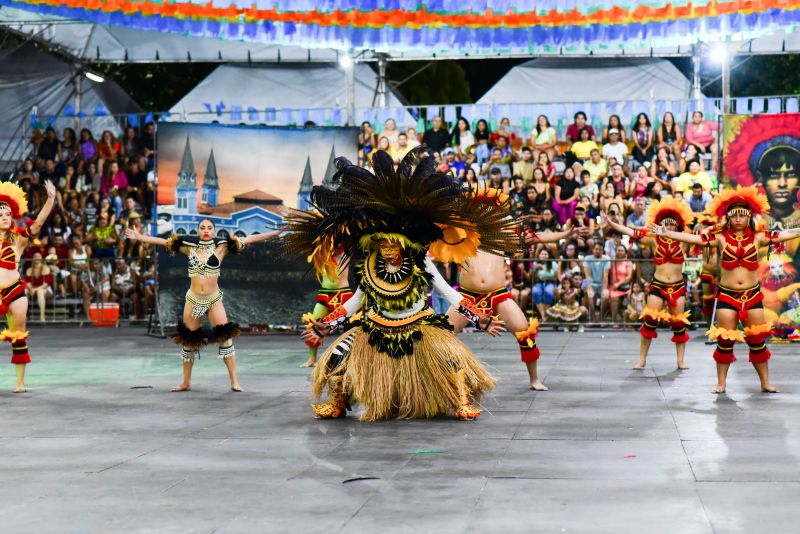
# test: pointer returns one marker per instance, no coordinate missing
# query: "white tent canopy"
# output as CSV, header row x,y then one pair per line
x,y
103,43
565,80
31,79
242,94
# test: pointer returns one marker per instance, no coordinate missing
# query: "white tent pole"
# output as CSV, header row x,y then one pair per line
x,y
78,88
383,59
350,86
696,90
726,79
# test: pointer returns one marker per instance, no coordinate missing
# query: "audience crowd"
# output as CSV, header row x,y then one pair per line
x,y
104,184
557,184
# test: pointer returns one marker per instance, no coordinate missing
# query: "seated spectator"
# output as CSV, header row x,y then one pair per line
x,y
103,238
524,167
639,184
497,181
131,209
596,269
619,284
701,134
496,162
689,154
615,148
686,181
383,144
130,248
613,242
96,286
48,172
614,124
669,136
123,284
109,148
470,178
148,140
521,283
517,197
390,132
597,167
78,264
589,188
571,261
541,184
506,150
699,199
132,148
663,169
534,204
503,130
637,218
413,138
547,223
635,307
137,183
437,138
543,138
87,148
566,196
581,220
454,166
643,140
26,172
115,185
68,154
618,180
39,283
581,150
568,305
645,268
592,207
609,197
549,168
545,278
574,129
57,226
50,147
482,134
105,207
59,275
398,152
462,137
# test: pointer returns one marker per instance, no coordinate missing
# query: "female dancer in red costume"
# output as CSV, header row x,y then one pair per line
x,y
739,296
668,285
13,241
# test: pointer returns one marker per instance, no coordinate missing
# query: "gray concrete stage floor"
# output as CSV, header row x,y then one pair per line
x,y
99,444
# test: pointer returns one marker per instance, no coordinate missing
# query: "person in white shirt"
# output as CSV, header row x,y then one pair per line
x,y
616,149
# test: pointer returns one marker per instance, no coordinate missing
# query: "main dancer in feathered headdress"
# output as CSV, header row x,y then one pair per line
x,y
668,287
13,241
402,360
739,297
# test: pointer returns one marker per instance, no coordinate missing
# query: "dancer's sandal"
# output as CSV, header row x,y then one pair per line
x,y
467,412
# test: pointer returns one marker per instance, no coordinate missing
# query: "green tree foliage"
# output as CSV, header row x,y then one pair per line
x,y
441,82
156,86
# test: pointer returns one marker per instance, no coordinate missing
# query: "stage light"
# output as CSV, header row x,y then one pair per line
x,y
95,77
345,61
719,52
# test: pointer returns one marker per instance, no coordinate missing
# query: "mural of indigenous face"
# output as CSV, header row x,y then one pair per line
x,y
777,171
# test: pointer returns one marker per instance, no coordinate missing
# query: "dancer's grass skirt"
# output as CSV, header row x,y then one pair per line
x,y
416,386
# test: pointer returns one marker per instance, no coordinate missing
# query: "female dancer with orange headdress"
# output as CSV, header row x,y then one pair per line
x,y
13,240
739,296
669,285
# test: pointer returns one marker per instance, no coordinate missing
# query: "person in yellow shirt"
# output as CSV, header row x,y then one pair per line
x,y
695,175
582,148
524,167
597,166
403,147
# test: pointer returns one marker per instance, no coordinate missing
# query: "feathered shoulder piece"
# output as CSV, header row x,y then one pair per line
x,y
414,201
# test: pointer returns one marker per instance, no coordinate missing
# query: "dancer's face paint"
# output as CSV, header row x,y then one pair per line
x,y
389,250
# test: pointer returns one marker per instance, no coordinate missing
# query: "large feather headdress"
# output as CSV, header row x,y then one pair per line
x,y
410,205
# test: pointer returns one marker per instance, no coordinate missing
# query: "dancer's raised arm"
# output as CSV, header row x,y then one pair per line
x,y
684,237
249,240
132,233
768,238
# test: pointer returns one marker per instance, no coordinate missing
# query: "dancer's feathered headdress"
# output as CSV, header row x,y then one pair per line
x,y
670,208
750,198
14,197
410,205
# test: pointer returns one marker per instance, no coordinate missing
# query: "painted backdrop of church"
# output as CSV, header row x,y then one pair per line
x,y
248,213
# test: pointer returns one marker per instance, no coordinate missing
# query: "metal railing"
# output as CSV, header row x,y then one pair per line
x,y
77,292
